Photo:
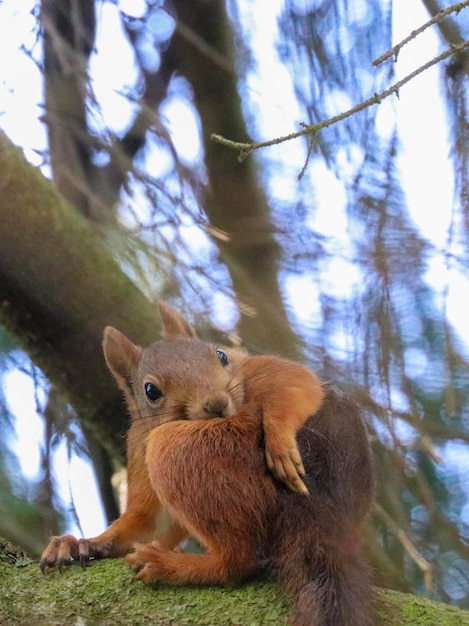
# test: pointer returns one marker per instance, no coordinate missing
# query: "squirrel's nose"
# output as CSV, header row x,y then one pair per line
x,y
217,406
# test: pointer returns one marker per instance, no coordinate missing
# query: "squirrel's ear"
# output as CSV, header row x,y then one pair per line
x,y
121,356
174,325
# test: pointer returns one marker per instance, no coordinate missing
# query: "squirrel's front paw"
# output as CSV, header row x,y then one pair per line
x,y
60,552
65,549
284,461
148,559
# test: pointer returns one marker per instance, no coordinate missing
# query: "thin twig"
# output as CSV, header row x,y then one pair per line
x,y
245,149
312,143
415,555
408,546
394,51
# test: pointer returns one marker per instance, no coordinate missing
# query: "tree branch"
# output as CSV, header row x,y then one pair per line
x,y
245,149
103,594
394,51
59,288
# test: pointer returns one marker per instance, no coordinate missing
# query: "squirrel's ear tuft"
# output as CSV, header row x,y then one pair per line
x,y
121,356
174,325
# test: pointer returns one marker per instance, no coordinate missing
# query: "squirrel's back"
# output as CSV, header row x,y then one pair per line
x,y
316,541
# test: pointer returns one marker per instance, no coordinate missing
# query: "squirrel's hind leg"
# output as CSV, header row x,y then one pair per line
x,y
156,563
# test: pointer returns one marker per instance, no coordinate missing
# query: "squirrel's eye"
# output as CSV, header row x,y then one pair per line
x,y
223,358
153,392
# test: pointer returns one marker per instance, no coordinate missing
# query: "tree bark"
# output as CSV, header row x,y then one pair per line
x,y
59,288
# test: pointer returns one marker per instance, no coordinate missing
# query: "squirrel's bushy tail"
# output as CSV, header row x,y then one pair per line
x,y
328,578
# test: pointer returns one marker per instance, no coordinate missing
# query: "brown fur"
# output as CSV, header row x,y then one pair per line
x,y
212,477
196,386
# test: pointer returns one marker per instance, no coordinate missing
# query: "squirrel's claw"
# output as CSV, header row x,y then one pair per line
x,y
288,467
64,549
83,551
147,560
59,553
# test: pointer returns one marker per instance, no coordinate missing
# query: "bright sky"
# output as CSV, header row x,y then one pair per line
x,y
425,167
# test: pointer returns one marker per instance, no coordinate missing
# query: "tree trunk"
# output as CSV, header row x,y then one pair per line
x,y
69,32
234,202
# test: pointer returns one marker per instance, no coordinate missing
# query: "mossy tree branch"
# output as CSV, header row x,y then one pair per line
x,y
59,288
104,594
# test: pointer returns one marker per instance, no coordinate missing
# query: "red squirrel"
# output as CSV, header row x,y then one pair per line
x,y
181,377
203,422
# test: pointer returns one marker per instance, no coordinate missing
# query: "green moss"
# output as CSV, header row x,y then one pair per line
x,y
103,594
404,608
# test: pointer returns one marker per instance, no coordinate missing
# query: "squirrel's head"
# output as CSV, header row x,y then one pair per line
x,y
178,377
